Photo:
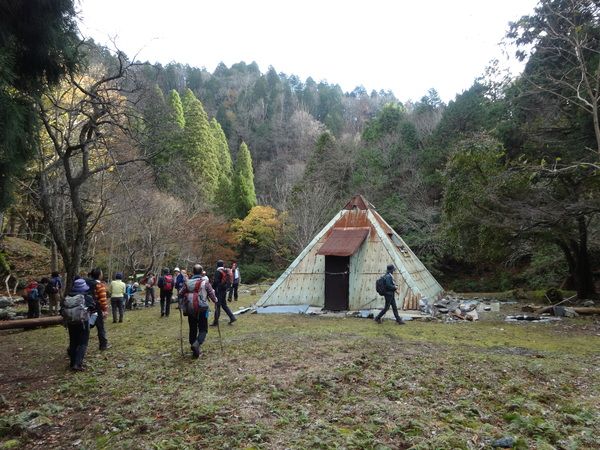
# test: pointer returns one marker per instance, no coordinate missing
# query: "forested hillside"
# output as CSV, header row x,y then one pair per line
x,y
134,166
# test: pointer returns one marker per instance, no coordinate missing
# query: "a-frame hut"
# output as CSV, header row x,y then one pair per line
x,y
338,269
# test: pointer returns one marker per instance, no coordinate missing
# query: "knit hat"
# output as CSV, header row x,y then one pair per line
x,y
79,285
119,276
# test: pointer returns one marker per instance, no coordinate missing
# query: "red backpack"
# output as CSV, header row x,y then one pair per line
x,y
192,297
168,283
226,277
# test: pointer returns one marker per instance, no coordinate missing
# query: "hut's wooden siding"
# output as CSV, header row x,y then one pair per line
x,y
304,281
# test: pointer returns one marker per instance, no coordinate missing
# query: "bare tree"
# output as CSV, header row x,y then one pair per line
x,y
87,132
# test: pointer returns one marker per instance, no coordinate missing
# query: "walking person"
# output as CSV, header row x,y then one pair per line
x,y
165,284
149,282
390,297
79,333
98,292
193,297
233,291
220,286
117,294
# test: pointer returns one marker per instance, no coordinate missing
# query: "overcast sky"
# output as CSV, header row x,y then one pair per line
x,y
404,46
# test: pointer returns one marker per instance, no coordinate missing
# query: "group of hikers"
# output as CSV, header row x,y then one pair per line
x,y
85,304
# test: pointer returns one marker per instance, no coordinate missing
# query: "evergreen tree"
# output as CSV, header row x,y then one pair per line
x,y
199,146
223,198
244,196
176,116
38,46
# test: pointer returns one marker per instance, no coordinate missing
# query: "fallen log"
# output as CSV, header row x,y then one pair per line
x,y
31,323
582,310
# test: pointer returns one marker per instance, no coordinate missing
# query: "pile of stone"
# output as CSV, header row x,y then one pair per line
x,y
12,308
455,309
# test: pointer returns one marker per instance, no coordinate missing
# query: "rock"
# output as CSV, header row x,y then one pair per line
x,y
507,442
5,302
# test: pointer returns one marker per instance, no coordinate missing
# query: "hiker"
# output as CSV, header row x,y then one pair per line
x,y
54,293
117,294
233,291
98,292
220,286
165,284
149,281
390,297
33,294
79,333
180,278
131,300
196,314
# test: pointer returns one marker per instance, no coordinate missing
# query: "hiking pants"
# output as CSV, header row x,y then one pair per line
x,y
390,300
53,303
33,308
165,302
222,303
198,327
118,304
149,294
79,336
233,291
101,326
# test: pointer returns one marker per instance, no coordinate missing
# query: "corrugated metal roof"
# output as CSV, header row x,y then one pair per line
x,y
344,241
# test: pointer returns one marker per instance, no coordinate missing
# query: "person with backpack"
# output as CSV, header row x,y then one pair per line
x,y
193,302
117,297
165,284
79,329
390,296
54,293
131,301
98,293
180,278
149,282
233,291
33,294
222,281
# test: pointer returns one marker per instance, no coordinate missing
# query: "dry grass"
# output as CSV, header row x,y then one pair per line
x,y
290,381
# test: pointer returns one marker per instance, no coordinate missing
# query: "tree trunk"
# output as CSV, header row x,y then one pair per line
x,y
31,323
577,256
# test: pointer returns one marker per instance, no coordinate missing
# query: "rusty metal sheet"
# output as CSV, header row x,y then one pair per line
x,y
343,242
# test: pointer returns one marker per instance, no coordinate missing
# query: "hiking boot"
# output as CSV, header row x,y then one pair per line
x,y
377,320
214,324
232,320
196,349
106,347
400,322
77,368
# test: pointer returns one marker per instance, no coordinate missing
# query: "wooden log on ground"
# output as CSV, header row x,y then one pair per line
x,y
584,311
31,323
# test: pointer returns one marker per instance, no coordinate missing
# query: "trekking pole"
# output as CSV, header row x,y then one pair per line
x,y
220,337
181,330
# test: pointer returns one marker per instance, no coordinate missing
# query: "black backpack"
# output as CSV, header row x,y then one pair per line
x,y
380,285
53,287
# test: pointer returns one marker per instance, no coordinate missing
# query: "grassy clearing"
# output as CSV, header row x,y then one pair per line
x,y
289,381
